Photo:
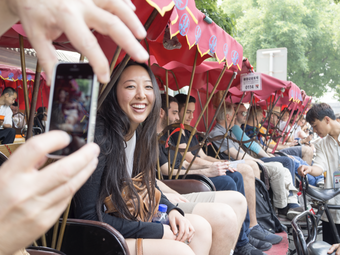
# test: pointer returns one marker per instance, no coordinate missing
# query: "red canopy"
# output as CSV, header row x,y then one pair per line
x,y
179,75
209,39
12,77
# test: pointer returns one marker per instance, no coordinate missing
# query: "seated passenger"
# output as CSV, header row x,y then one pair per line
x,y
223,179
304,152
7,133
18,117
40,120
254,119
126,134
280,178
322,119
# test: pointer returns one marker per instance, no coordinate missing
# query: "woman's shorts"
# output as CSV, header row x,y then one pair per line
x,y
195,198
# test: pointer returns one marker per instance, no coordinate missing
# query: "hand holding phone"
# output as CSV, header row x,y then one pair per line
x,y
73,105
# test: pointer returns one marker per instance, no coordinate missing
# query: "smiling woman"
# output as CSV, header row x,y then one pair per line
x,y
126,134
135,94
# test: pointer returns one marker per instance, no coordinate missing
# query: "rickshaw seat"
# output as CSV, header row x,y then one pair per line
x,y
32,250
87,237
192,183
322,195
319,248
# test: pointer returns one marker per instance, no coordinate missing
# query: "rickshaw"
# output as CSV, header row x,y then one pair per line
x,y
199,40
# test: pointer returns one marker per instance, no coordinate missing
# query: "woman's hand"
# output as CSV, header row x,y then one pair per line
x,y
181,227
168,234
176,198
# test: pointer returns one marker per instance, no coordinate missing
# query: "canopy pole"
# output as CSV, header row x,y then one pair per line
x,y
24,78
282,130
182,121
218,108
122,65
112,65
252,102
54,236
148,50
173,74
207,113
34,100
62,227
81,58
167,113
207,117
201,106
198,120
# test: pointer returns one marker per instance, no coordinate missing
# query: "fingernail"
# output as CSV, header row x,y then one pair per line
x,y
105,78
141,32
143,55
132,6
94,162
95,149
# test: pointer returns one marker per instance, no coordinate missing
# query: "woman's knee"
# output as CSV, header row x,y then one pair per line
x,y
152,247
201,225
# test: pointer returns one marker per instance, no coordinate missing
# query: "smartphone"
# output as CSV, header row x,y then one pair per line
x,y
72,105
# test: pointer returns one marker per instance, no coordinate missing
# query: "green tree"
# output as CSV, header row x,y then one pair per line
x,y
308,29
216,13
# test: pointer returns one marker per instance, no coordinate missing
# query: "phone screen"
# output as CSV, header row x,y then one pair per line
x,y
71,105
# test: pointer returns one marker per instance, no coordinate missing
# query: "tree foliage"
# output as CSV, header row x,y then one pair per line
x,y
308,29
216,13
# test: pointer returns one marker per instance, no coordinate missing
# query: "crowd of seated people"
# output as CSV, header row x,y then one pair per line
x,y
252,123
253,238
282,182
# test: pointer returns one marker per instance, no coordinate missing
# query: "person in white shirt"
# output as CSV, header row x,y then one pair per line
x,y
7,133
322,119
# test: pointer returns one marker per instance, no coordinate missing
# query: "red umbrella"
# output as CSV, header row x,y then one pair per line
x,y
209,39
12,77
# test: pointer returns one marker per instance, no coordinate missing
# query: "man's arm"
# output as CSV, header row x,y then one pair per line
x,y
206,157
165,188
263,154
7,126
190,157
172,195
233,154
213,171
312,170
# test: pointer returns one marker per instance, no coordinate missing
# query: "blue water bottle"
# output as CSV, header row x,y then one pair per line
x,y
161,215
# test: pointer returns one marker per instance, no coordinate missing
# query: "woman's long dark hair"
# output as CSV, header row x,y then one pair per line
x,y
113,125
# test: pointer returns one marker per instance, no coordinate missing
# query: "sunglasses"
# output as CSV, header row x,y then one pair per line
x,y
276,114
244,114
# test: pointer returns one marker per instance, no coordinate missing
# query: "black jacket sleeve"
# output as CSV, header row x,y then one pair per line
x,y
164,200
84,207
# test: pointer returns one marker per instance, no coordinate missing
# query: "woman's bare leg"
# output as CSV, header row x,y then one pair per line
x,y
200,244
160,246
224,224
